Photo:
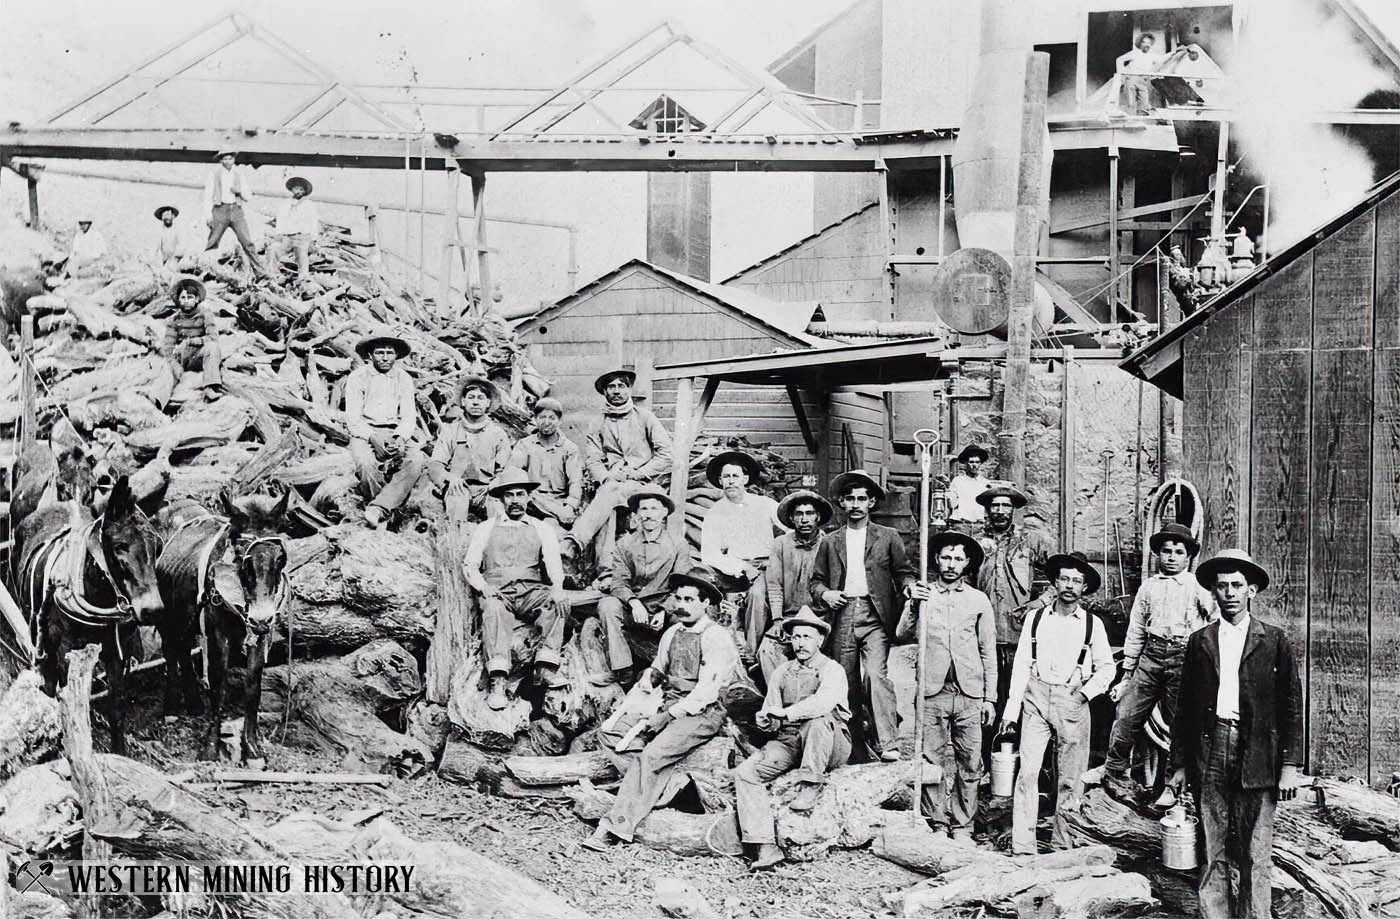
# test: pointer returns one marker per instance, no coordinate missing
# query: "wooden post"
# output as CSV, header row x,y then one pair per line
x,y
882,178
483,258
1113,233
449,241
1067,439
1222,171
942,204
89,781
31,179
680,456
1030,193
28,385
572,270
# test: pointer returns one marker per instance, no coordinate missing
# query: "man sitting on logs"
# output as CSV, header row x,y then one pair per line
x,y
470,451
1062,661
789,573
806,711
381,413
960,677
191,341
555,462
736,536
693,659
642,564
506,564
626,449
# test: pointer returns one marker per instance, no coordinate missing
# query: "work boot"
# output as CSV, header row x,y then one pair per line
x,y
600,840
890,756
962,834
806,797
768,855
548,675
496,699
1167,800
1121,788
374,516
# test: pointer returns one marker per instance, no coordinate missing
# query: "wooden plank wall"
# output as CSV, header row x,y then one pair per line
x,y
1385,499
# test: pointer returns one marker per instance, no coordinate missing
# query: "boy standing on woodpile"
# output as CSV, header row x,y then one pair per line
x,y
87,252
226,191
168,247
964,512
470,451
507,564
789,573
960,680
555,462
693,659
863,575
806,711
191,341
381,413
297,224
642,564
1169,607
1238,737
736,535
1062,661
626,449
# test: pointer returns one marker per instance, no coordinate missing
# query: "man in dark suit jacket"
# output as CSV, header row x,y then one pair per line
x,y
1238,737
865,599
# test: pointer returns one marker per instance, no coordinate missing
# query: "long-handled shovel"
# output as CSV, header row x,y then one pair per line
x,y
926,440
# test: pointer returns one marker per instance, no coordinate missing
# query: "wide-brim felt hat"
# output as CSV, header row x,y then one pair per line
x,y
223,153
479,382
1174,532
804,496
972,547
972,450
634,500
1232,560
511,478
378,337
1078,562
167,207
191,283
1002,490
853,478
298,180
733,458
805,616
699,577
603,379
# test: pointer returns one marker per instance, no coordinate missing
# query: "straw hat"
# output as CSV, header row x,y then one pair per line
x,y
1232,560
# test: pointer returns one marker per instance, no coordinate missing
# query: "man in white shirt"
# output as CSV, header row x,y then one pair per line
x,y
88,250
693,659
506,564
168,247
381,413
965,514
1062,661
736,536
226,191
1136,69
297,224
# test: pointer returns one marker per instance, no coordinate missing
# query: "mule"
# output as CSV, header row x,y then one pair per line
x,y
223,583
89,580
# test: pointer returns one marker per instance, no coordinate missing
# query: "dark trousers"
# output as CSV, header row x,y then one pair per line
x,y
1157,678
862,647
1239,830
227,216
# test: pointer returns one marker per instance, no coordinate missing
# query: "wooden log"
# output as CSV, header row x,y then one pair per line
x,y
1000,884
664,828
326,464
101,322
267,461
916,847
427,723
263,420
465,763
89,779
568,769
38,810
852,808
456,628
1116,895
30,725
215,423
1359,811
258,777
148,375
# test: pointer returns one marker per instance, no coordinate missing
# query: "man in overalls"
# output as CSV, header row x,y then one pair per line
x,y
806,709
1062,661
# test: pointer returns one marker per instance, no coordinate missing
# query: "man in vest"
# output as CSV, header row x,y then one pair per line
x,y
806,711
960,680
736,535
381,413
470,451
692,661
191,340
789,573
1062,661
507,564
226,191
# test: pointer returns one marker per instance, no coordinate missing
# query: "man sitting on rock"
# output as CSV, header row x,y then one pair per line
x,y
381,413
736,536
642,564
789,573
507,563
191,341
695,656
470,451
806,711
555,462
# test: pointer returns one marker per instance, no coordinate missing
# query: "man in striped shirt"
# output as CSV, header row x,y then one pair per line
x,y
191,342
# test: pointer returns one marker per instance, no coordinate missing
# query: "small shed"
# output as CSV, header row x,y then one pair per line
x,y
1291,433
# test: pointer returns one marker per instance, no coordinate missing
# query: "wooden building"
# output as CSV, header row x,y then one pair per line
x,y
645,315
1291,432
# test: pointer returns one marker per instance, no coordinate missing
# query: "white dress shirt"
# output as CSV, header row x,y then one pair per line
x,y
1227,698
856,585
88,247
298,215
962,495
1059,643
733,533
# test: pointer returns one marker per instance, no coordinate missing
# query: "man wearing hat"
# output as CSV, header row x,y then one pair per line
x,y
87,252
191,340
226,191
805,710
297,224
1169,606
507,564
964,512
638,577
555,462
736,535
168,247
1062,661
863,575
470,451
381,414
789,573
693,659
1238,737
1013,558
960,678
626,448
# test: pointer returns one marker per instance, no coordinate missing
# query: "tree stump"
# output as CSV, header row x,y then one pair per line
x,y
458,625
850,811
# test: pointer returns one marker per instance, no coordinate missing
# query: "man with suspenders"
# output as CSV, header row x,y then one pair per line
x,y
1062,661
